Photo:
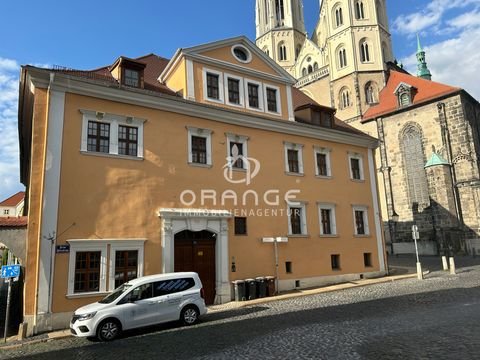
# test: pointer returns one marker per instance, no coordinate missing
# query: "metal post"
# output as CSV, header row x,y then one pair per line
x,y
7,313
415,235
275,246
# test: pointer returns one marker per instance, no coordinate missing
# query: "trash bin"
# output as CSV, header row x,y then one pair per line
x,y
251,286
239,290
270,285
261,287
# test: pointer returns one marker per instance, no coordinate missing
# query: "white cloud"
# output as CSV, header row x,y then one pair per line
x,y
9,153
454,61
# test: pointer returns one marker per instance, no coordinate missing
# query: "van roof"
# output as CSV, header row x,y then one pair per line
x,y
166,276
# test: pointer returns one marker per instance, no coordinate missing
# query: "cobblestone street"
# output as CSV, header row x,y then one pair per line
x,y
438,318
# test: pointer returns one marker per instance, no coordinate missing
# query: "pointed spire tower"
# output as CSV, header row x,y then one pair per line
x,y
422,69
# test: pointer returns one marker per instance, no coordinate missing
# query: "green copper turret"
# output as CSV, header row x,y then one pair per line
x,y
422,69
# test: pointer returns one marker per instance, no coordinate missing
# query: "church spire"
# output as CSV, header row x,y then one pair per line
x,y
422,69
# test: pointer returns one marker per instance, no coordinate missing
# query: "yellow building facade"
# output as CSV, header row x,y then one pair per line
x,y
153,165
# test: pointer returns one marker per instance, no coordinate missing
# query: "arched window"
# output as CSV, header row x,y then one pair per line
x,y
371,93
345,98
280,11
412,150
364,51
338,17
342,58
315,66
282,52
310,69
359,10
304,72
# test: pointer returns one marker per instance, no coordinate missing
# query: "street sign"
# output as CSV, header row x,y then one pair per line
x,y
415,233
62,249
10,271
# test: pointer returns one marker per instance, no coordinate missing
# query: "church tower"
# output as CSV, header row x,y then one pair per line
x,y
280,30
422,68
354,39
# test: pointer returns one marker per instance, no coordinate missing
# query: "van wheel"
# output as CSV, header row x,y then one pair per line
x,y
189,315
109,330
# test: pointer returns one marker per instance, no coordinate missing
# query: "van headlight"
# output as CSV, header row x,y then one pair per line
x,y
86,316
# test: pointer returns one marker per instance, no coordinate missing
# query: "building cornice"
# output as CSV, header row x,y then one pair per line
x,y
159,101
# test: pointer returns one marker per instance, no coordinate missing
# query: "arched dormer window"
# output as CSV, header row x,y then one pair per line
x,y
338,17
359,10
282,52
310,69
345,98
342,58
371,95
364,51
404,93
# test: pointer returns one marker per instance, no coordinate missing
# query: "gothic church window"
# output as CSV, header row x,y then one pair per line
x,y
282,52
344,98
371,93
359,10
364,52
342,58
338,17
304,72
412,149
310,69
280,11
315,66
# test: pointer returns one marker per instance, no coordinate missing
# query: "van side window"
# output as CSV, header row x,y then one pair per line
x,y
172,286
141,292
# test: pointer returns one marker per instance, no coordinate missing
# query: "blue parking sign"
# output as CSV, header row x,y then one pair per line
x,y
10,271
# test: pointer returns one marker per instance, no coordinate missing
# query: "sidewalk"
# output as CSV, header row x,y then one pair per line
x,y
13,342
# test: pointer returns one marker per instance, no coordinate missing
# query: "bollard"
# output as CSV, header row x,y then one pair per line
x,y
452,266
419,271
444,262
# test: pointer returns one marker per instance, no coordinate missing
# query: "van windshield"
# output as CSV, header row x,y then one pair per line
x,y
115,294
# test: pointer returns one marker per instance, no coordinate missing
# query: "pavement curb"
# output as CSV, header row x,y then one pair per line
x,y
62,334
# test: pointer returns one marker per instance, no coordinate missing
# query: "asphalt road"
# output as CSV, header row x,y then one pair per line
x,y
438,318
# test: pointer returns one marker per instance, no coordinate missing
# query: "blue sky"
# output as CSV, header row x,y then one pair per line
x,y
90,34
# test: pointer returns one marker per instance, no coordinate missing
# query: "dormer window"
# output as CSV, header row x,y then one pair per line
x,y
404,93
131,78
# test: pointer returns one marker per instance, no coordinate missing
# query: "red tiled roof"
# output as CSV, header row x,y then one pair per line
x,y
425,90
14,200
20,221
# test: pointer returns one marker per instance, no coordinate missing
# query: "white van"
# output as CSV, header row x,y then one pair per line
x,y
141,302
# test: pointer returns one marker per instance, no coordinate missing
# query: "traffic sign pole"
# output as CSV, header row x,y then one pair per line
x,y
7,313
415,235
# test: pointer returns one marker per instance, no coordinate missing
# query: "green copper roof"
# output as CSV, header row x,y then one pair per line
x,y
422,69
435,160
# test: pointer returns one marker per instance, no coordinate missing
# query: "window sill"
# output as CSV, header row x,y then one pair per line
x,y
242,235
114,156
208,166
294,173
87,294
216,101
336,270
361,236
298,235
324,177
326,236
240,105
358,180
273,113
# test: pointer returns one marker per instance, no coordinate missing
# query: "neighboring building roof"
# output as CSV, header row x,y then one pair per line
x,y
425,91
436,159
14,200
20,221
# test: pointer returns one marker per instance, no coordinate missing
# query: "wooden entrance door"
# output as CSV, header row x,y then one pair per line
x,y
195,251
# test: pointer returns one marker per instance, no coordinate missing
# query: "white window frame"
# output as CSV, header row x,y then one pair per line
x,y
260,95
326,151
83,246
241,93
114,121
304,229
365,219
277,96
221,98
360,158
238,139
299,148
333,221
125,245
205,133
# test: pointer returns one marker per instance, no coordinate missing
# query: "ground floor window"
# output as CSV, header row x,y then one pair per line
x,y
87,271
126,266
